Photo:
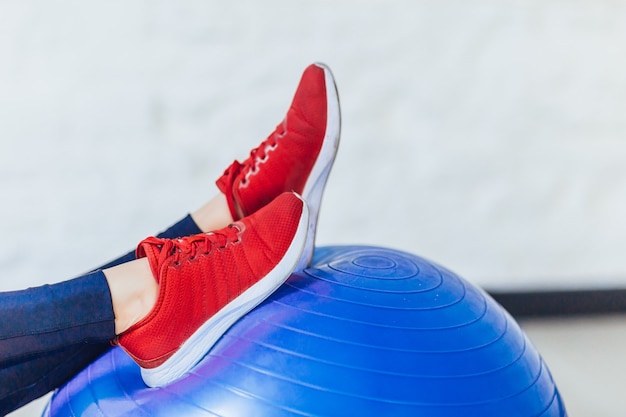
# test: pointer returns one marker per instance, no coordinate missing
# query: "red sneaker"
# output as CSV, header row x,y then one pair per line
x,y
208,281
297,156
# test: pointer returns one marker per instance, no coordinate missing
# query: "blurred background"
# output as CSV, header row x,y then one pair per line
x,y
485,135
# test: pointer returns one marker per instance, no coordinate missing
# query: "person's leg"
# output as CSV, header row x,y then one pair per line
x,y
309,133
30,365
26,381
70,312
44,335
36,374
219,276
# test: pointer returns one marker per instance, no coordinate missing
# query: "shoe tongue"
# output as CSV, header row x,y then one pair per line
x,y
226,182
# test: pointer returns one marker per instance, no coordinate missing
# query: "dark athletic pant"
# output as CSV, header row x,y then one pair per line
x,y
50,333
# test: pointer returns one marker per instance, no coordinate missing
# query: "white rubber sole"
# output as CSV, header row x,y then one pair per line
x,y
196,347
314,187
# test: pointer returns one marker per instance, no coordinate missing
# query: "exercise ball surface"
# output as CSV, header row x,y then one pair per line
x,y
364,331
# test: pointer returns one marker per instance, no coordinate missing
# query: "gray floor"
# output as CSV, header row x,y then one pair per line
x,y
584,355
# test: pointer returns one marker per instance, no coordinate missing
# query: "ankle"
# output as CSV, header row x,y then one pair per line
x,y
134,292
214,215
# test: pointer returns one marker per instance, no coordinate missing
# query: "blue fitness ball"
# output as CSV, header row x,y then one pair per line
x,y
364,331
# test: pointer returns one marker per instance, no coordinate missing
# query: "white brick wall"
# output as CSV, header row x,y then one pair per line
x,y
485,135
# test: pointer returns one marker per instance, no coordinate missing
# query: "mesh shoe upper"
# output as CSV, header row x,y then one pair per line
x,y
199,276
285,159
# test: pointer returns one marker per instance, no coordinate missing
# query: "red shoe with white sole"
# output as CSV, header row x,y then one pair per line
x,y
208,281
297,156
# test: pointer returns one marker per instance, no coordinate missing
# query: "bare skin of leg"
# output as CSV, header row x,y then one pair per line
x,y
134,290
213,215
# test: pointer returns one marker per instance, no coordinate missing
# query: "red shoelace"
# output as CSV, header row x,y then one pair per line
x,y
192,246
257,155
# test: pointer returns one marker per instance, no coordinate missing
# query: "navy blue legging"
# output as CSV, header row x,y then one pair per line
x,y
50,333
